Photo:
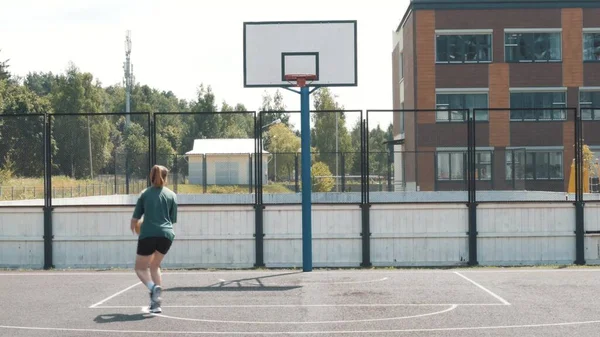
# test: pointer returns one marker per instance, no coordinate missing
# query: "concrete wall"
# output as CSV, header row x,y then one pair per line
x,y
223,236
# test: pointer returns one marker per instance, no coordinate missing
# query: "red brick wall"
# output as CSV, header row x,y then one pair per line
x,y
572,43
499,98
425,63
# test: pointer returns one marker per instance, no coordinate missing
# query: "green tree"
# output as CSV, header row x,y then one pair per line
x,y
323,135
4,74
207,123
40,83
321,178
22,137
236,123
83,142
283,145
274,109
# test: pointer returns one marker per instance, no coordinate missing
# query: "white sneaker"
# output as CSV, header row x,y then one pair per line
x,y
154,308
156,295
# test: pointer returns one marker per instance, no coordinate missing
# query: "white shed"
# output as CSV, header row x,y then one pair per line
x,y
228,161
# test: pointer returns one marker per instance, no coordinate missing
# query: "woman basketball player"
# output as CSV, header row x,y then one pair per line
x,y
158,205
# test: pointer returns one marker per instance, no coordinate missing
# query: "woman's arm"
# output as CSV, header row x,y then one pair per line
x,y
137,213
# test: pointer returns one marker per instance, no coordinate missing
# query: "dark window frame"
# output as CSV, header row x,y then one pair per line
x,y
451,110
524,45
523,112
480,166
593,55
483,44
511,154
590,106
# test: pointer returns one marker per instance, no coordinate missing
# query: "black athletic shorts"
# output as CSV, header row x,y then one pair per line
x,y
147,246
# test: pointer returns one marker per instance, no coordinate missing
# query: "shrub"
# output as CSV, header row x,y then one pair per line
x,y
322,181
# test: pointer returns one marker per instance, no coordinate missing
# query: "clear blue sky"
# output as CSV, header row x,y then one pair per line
x,y
179,44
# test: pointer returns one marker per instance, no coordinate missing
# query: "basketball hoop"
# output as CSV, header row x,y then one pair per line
x,y
300,79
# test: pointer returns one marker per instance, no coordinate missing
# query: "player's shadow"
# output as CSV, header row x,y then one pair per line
x,y
114,318
244,284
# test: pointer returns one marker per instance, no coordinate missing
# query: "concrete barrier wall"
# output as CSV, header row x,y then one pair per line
x,y
21,237
419,234
223,236
532,233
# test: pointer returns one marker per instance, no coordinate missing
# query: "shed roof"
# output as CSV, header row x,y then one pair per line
x,y
243,146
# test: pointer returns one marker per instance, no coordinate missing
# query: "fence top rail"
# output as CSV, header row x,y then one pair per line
x,y
523,109
416,110
247,112
23,115
311,111
98,113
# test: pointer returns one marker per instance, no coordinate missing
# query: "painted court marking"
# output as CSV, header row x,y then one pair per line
x,y
335,332
313,322
245,306
114,295
505,302
229,272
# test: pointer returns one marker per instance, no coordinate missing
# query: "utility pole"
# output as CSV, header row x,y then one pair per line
x,y
128,67
129,80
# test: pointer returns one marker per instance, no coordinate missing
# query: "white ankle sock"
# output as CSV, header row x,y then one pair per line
x,y
150,285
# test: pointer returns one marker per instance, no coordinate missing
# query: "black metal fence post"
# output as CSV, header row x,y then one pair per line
x,y
258,202
579,203
297,173
48,236
365,205
250,170
343,171
472,188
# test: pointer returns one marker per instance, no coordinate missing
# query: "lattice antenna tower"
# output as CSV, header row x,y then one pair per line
x,y
129,78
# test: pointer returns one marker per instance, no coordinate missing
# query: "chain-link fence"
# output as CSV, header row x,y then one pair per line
x,y
525,154
590,136
99,155
22,158
215,154
519,154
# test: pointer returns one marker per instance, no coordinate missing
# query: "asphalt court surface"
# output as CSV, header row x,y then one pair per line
x,y
405,302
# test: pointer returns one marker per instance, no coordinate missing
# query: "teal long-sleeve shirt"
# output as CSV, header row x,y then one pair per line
x,y
158,205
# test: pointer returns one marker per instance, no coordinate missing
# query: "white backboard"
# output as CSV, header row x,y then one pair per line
x,y
323,48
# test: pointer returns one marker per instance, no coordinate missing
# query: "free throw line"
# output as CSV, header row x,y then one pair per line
x,y
505,302
114,295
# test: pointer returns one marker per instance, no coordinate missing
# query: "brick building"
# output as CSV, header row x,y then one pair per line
x,y
450,55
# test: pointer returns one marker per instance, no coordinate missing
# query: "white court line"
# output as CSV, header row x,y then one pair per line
x,y
313,322
308,305
318,332
113,296
267,273
505,302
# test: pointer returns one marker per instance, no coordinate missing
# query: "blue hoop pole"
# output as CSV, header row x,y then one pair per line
x,y
306,179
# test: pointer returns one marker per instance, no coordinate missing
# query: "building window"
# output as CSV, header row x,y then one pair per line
x,y
401,65
452,165
463,48
532,47
589,102
538,106
534,164
591,46
454,106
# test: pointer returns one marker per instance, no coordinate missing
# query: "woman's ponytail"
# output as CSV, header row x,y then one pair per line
x,y
158,175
